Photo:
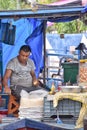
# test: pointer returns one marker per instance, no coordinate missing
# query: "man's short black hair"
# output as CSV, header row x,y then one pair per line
x,y
25,48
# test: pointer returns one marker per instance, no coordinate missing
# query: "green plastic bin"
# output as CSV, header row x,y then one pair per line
x,y
70,72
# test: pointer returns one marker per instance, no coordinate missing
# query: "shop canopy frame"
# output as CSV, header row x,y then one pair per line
x,y
54,12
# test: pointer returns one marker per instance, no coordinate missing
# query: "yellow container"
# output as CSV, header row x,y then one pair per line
x,y
83,60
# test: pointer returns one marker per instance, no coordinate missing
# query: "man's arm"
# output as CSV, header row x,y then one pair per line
x,y
6,77
35,80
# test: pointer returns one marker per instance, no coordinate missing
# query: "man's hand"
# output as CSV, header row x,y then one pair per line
x,y
7,90
35,82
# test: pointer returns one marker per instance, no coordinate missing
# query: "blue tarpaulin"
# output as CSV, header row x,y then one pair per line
x,y
35,41
61,44
28,31
22,32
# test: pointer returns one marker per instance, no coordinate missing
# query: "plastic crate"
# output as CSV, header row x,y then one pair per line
x,y
4,98
68,111
70,72
69,107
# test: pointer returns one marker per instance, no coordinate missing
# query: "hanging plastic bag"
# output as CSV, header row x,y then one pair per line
x,y
8,33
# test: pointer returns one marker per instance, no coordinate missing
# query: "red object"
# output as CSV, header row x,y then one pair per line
x,y
59,88
3,112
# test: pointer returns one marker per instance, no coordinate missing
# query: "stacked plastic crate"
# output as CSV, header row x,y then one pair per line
x,y
67,111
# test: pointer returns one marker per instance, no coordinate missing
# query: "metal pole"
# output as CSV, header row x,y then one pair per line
x,y
44,40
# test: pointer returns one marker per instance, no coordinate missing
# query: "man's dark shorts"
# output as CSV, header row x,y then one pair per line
x,y
16,90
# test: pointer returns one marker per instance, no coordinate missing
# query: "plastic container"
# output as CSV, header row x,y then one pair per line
x,y
71,89
4,112
70,72
67,110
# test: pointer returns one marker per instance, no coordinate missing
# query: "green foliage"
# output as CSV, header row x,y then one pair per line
x,y
7,4
47,1
75,26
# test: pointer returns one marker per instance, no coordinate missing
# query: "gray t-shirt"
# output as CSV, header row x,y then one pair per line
x,y
21,74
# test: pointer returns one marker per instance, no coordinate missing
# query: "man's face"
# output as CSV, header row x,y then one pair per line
x,y
23,56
